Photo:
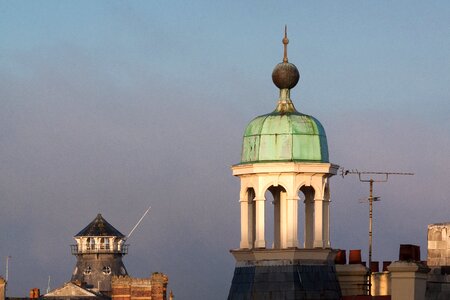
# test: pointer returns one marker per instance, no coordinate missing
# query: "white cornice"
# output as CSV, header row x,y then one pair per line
x,y
285,167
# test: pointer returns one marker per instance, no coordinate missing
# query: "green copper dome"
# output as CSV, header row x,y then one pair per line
x,y
285,134
290,136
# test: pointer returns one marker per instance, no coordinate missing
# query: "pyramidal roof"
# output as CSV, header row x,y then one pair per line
x,y
100,227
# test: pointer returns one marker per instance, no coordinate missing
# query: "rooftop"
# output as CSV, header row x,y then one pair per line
x,y
99,227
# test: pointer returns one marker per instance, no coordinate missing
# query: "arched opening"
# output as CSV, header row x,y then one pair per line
x,y
307,194
106,270
274,227
269,219
300,219
102,243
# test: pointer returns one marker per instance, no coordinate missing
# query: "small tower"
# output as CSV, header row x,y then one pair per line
x,y
285,153
99,252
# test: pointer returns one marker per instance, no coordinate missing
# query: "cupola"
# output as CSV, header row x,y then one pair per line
x,y
284,134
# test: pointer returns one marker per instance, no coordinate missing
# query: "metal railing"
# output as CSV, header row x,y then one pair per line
x,y
99,249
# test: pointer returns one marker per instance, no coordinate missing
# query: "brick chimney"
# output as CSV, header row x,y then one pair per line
x,y
159,286
408,275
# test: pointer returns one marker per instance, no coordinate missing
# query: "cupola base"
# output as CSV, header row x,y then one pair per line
x,y
284,274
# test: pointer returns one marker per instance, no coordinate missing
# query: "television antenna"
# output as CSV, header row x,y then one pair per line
x,y
371,178
137,224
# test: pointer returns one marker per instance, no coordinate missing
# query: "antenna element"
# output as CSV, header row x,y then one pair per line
x,y
137,224
368,177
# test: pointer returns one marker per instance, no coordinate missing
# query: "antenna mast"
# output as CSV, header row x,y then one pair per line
x,y
137,224
7,268
7,273
370,177
48,284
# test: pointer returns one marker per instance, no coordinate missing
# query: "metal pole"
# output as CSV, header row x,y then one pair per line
x,y
48,284
7,273
370,234
7,268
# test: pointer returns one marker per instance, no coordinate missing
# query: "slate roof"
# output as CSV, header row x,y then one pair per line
x,y
312,282
99,227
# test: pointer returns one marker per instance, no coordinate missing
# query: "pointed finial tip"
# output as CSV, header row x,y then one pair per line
x,y
285,43
285,39
285,75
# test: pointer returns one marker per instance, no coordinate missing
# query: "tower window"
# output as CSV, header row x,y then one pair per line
x,y
87,271
106,270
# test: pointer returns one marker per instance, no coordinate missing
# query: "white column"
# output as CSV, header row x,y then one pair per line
x,y
244,244
81,242
111,244
260,241
326,223
292,223
97,243
295,240
318,223
117,244
309,222
283,220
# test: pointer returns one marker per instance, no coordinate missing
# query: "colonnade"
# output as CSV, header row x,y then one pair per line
x,y
316,222
285,181
96,243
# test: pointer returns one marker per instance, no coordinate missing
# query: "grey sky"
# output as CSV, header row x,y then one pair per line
x,y
112,106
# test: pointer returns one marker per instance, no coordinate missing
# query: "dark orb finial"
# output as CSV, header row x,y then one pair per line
x,y
285,75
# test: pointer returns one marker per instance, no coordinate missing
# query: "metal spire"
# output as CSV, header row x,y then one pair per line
x,y
285,42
